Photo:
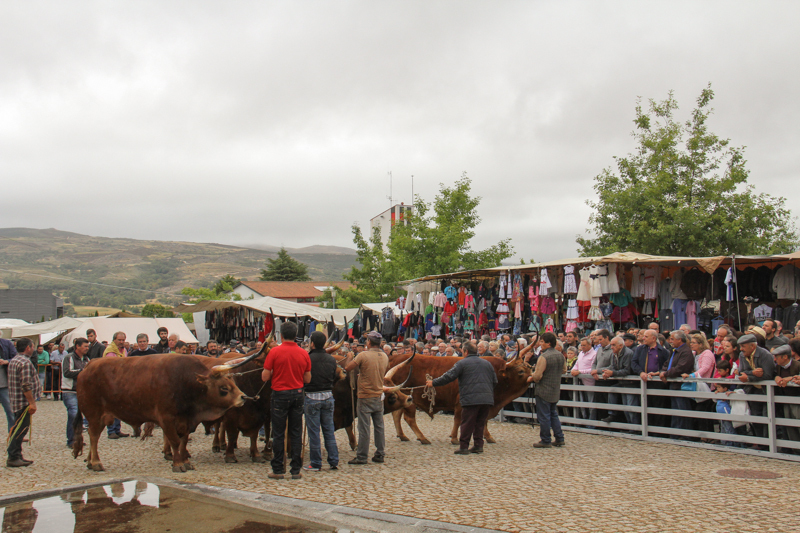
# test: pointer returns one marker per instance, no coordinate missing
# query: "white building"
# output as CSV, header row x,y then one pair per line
x,y
386,221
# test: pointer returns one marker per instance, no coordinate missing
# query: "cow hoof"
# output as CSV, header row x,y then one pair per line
x,y
258,459
230,459
490,440
424,441
98,468
168,457
178,468
216,449
188,466
453,441
404,439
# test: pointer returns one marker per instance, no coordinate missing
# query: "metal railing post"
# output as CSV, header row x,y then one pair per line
x,y
644,407
771,418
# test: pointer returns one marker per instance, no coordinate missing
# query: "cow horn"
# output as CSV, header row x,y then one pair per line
x,y
335,347
235,363
407,361
271,336
398,387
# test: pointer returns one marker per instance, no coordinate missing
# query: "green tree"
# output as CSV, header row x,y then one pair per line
x,y
284,268
157,311
435,239
226,284
684,192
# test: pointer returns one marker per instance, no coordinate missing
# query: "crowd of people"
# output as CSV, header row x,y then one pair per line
x,y
303,379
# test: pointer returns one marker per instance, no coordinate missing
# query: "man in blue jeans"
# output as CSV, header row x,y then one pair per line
x,y
289,368
319,404
550,365
7,353
71,366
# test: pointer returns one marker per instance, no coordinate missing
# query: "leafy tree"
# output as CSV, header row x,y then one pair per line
x,y
226,284
157,311
284,268
684,192
208,294
435,239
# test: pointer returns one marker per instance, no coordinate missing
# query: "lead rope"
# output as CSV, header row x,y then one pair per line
x,y
429,393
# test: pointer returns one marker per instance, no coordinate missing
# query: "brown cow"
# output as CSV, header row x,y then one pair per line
x,y
177,392
512,382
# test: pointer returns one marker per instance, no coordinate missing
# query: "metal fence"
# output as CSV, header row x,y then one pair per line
x,y
52,378
652,403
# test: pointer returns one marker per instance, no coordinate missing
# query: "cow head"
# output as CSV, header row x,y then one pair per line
x,y
516,374
396,400
220,390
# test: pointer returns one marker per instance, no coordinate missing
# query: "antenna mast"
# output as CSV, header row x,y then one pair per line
x,y
391,203
412,189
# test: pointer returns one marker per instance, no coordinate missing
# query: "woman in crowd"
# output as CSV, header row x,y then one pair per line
x,y
730,353
704,367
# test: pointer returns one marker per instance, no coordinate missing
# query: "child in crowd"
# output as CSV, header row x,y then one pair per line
x,y
724,405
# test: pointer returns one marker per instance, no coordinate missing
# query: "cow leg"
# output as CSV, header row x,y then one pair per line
x,y
95,430
255,455
233,435
351,436
397,416
184,452
221,432
410,416
215,445
267,451
488,436
167,449
174,441
456,425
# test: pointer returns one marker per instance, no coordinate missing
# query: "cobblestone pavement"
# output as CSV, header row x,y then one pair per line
x,y
594,483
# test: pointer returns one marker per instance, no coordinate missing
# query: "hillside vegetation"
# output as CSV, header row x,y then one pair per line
x,y
127,272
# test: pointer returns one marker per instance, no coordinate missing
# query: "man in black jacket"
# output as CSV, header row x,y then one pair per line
x,y
318,404
680,362
96,348
755,364
621,367
476,381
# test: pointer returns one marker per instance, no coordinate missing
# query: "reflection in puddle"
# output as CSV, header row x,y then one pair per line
x,y
138,506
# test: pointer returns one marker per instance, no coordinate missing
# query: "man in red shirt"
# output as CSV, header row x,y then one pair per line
x,y
289,367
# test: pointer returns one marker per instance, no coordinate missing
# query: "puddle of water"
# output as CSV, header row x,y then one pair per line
x,y
135,506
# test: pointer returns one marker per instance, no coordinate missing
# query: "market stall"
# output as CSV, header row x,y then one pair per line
x,y
615,291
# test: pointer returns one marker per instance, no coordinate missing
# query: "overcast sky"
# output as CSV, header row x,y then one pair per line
x,y
277,122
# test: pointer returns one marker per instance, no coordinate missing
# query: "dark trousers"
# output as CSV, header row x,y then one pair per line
x,y
758,409
547,414
473,424
22,421
287,406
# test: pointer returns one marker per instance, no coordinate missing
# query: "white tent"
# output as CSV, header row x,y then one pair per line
x,y
43,331
105,328
338,315
281,308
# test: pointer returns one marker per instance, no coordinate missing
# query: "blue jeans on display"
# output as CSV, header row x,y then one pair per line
x,y
319,415
547,413
7,407
115,427
70,400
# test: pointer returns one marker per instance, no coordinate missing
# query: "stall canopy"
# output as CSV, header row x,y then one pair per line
x,y
378,307
281,308
105,327
709,264
43,331
339,315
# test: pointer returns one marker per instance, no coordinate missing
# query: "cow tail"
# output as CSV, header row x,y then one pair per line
x,y
77,431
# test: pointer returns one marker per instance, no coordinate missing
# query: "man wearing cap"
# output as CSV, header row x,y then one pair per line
x,y
372,365
786,369
755,364
476,380
289,368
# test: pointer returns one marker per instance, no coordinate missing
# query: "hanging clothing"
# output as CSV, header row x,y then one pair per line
x,y
570,287
544,283
675,285
594,310
595,289
584,291
548,305
730,282
613,280
637,289
652,276
602,271
572,310
691,314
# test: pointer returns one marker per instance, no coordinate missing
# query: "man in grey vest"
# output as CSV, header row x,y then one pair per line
x,y
550,365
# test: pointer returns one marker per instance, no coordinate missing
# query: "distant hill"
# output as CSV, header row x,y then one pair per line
x,y
128,272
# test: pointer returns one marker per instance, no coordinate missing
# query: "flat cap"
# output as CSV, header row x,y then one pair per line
x,y
783,349
745,339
